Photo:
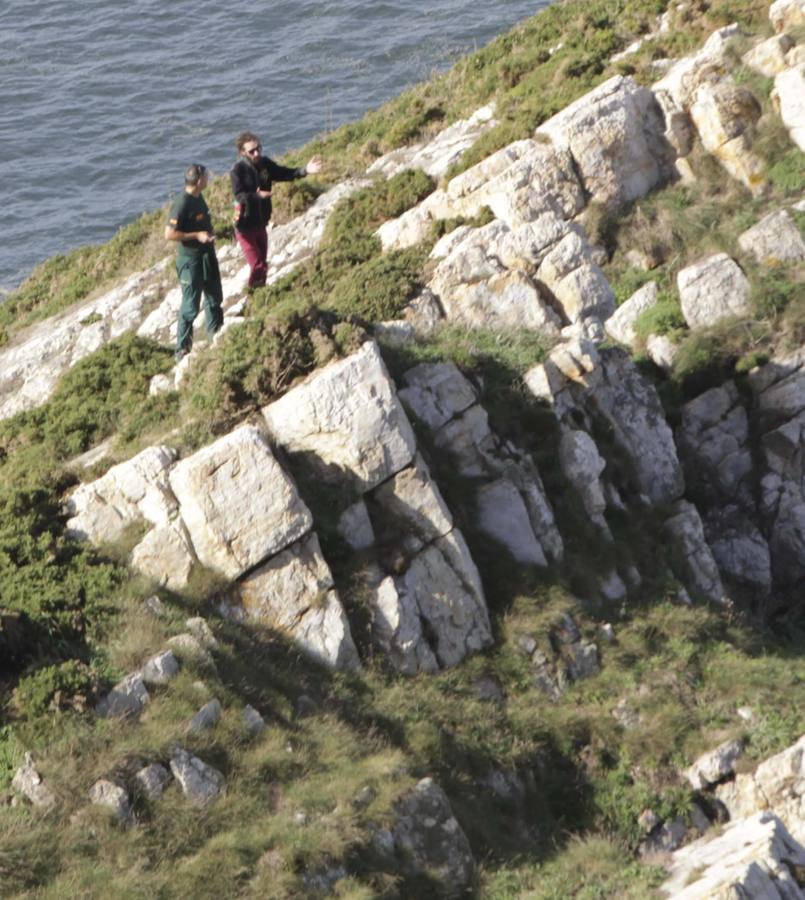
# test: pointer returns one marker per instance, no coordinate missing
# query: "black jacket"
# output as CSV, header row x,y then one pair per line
x,y
246,177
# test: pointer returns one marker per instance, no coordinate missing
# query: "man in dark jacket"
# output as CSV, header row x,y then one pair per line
x,y
252,176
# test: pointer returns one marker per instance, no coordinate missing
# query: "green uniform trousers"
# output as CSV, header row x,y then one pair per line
x,y
198,274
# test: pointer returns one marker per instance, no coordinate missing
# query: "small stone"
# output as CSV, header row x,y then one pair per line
x,y
126,698
155,606
160,669
746,713
199,782
199,627
364,797
607,633
153,780
254,722
489,688
30,784
206,718
305,706
301,818
113,797
189,645
526,644
625,714
648,820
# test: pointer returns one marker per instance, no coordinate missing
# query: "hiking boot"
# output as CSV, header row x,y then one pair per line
x,y
179,355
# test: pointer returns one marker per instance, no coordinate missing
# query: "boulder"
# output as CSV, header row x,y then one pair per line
x,y
753,857
160,669
712,290
254,722
346,417
166,555
113,797
615,136
662,351
436,393
206,718
130,492
740,551
200,783
152,780
775,239
714,766
294,593
427,839
127,698
787,14
238,504
28,782
789,96
768,57
519,183
723,113
620,325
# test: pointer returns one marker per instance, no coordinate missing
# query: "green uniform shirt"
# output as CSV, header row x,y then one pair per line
x,y
189,213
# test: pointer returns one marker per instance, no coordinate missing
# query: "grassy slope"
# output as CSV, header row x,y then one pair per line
x,y
78,623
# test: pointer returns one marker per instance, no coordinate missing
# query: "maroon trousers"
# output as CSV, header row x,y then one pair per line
x,y
255,248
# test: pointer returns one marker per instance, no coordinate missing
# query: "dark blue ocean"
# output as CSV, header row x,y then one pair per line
x,y
102,103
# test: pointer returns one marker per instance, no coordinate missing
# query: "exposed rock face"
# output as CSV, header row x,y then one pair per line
x,y
786,14
199,782
427,839
615,135
778,785
774,240
134,490
437,155
445,401
692,558
712,290
722,113
768,57
238,504
347,418
789,93
294,593
750,858
206,718
714,766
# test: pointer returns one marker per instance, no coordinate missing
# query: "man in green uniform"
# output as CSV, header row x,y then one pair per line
x,y
189,223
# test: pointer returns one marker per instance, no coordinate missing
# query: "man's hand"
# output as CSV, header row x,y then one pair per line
x,y
204,237
314,165
264,195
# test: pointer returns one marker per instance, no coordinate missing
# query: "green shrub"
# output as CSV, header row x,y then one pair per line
x,y
663,317
67,685
772,291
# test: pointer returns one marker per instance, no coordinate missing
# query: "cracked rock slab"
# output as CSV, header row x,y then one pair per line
x,y
713,290
238,504
346,420
294,593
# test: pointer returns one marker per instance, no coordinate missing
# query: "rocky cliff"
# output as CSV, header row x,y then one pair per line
x,y
367,513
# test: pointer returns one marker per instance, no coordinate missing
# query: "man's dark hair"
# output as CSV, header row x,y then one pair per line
x,y
244,138
194,173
